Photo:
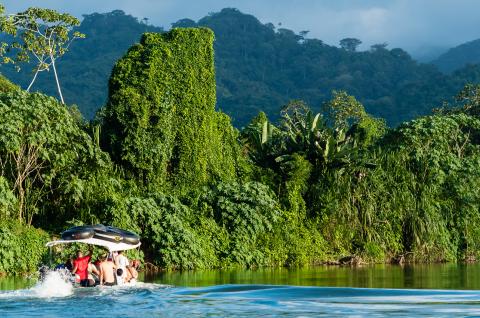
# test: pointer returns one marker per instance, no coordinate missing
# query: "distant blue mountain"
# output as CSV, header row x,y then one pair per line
x,y
260,67
459,56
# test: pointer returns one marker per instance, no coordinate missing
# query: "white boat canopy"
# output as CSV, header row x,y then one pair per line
x,y
111,246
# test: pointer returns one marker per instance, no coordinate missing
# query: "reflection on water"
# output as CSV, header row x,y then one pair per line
x,y
434,276
447,290
11,283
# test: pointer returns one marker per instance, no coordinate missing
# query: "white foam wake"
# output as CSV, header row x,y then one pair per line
x,y
54,284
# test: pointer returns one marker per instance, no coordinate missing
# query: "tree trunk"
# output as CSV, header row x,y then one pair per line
x,y
56,79
21,202
33,80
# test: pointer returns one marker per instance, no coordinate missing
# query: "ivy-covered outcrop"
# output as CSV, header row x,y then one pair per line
x,y
160,121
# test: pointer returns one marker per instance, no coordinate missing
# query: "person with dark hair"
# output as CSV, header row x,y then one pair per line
x,y
119,274
80,268
69,264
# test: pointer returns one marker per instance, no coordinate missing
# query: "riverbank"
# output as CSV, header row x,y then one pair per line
x,y
23,251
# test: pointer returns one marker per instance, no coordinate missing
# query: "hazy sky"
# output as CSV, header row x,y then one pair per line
x,y
415,25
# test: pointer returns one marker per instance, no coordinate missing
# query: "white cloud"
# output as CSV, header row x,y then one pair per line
x,y
373,20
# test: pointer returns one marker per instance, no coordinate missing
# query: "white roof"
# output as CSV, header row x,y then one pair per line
x,y
111,246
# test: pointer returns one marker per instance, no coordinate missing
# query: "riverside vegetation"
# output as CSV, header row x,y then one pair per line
x,y
159,160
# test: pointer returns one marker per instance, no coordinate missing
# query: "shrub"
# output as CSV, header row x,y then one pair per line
x,y
22,248
8,201
168,237
246,211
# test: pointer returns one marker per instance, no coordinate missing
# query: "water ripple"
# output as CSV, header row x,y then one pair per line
x,y
154,300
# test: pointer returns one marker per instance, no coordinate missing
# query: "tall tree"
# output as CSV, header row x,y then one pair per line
x,y
350,44
44,36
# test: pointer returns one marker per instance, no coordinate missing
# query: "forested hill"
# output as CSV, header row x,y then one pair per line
x,y
261,67
459,56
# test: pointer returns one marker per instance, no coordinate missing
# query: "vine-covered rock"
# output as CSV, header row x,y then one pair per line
x,y
160,121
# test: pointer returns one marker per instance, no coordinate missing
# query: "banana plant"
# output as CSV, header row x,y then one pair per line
x,y
260,140
302,132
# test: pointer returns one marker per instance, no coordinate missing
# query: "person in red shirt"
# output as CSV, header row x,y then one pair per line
x,y
80,267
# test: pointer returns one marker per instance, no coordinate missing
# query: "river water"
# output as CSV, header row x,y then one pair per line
x,y
447,290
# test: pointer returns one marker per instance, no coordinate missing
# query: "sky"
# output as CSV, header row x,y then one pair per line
x,y
418,26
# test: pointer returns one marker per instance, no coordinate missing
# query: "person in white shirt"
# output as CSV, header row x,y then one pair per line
x,y
121,261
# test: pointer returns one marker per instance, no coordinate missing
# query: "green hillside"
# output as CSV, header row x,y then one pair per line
x,y
259,67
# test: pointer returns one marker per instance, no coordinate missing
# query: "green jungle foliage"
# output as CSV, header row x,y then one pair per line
x,y
259,68
22,248
42,150
308,189
6,85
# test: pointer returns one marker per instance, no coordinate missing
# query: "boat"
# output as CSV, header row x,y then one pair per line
x,y
109,237
112,238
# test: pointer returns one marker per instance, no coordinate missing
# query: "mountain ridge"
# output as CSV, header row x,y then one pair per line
x,y
259,68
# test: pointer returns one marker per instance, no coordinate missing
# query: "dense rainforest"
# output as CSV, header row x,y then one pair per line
x,y
307,187
459,57
260,67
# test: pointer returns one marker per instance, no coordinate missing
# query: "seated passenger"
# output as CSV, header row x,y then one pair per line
x,y
69,264
93,275
107,268
80,268
132,273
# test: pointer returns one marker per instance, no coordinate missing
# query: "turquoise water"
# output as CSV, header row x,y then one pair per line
x,y
419,291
